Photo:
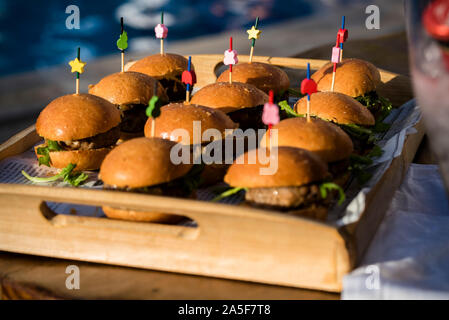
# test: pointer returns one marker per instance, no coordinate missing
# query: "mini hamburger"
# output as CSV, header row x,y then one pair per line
x,y
297,187
130,92
242,102
182,116
358,79
321,137
349,114
143,165
264,76
166,68
79,129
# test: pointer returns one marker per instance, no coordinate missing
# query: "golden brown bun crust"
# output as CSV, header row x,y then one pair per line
x,y
168,65
323,138
84,159
127,88
141,216
264,76
336,107
229,97
141,162
354,77
181,116
296,167
75,117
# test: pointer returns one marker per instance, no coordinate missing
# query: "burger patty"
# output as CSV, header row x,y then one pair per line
x,y
101,140
175,89
165,189
338,167
251,118
285,197
133,118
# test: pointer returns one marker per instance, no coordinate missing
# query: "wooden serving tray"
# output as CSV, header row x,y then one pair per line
x,y
230,241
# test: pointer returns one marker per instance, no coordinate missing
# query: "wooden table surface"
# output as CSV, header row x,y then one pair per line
x,y
29,277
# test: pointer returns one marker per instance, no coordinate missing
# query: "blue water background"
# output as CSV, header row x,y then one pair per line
x,y
33,34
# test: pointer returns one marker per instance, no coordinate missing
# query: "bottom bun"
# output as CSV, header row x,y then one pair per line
x,y
141,216
316,212
84,159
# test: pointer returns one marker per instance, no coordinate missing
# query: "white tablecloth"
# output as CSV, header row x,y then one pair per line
x,y
409,256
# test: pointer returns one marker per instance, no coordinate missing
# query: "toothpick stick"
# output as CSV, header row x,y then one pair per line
x,y
122,44
308,86
77,89
342,40
230,58
189,79
253,34
335,59
153,109
230,66
78,67
308,95
122,51
162,39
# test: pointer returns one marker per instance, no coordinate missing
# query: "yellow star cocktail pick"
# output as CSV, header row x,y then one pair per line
x,y
77,66
253,34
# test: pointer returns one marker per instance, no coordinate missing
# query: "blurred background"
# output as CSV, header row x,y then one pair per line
x,y
35,45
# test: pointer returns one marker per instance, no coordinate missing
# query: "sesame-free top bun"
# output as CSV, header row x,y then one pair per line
x,y
229,97
123,88
264,76
76,116
336,107
323,138
168,65
141,162
295,167
353,77
182,116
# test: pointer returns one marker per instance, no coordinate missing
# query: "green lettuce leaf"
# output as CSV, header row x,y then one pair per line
x,y
325,187
290,112
45,152
66,174
228,193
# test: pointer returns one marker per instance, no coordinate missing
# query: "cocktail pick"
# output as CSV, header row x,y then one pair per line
x,y
189,78
270,114
308,86
161,32
253,34
230,58
336,51
122,44
343,33
77,66
154,109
